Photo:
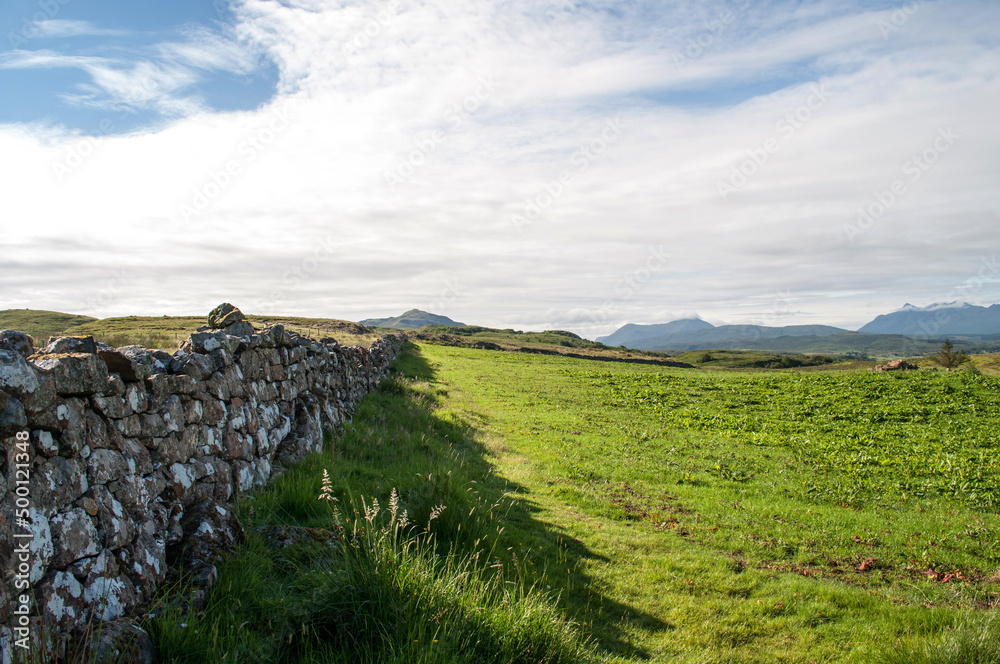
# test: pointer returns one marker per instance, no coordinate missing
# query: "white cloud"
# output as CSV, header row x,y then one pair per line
x,y
59,28
319,181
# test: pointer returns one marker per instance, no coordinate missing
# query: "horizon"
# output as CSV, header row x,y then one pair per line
x,y
930,307
560,165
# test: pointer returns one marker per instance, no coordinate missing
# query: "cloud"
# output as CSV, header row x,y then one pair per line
x,y
483,110
165,77
60,28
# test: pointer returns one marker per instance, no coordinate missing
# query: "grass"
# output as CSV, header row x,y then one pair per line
x,y
743,359
606,512
40,325
165,332
547,338
706,535
444,585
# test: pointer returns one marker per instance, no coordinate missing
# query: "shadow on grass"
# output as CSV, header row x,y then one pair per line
x,y
408,454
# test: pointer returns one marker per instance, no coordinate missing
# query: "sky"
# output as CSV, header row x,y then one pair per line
x,y
535,164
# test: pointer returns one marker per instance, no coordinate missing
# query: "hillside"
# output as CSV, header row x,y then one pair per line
x,y
165,332
952,318
694,333
546,338
40,324
629,334
414,319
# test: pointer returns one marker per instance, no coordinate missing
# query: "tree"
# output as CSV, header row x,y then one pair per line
x,y
950,358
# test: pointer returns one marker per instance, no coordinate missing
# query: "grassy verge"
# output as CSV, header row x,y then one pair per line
x,y
749,517
168,332
424,568
602,512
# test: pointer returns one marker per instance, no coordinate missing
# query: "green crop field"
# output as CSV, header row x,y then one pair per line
x,y
631,513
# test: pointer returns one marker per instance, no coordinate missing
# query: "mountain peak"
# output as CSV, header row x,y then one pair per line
x,y
414,319
937,320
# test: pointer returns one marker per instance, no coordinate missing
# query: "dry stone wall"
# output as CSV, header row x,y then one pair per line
x,y
135,452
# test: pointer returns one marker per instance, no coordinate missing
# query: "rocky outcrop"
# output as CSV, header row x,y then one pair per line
x,y
136,454
896,365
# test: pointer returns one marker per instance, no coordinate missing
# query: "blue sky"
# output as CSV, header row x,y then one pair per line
x,y
529,164
70,63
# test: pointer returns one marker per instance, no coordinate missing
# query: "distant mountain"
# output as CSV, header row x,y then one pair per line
x,y
414,319
629,334
691,334
938,320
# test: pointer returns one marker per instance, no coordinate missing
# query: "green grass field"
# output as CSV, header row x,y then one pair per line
x,y
164,332
630,513
41,324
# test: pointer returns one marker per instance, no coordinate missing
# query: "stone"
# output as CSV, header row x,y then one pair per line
x,y
137,458
105,466
63,345
141,361
211,531
44,444
205,342
98,435
78,427
130,426
145,562
115,386
193,410
75,374
241,329
73,537
19,342
161,360
196,365
153,426
131,492
214,412
222,358
115,528
180,477
112,407
135,399
172,412
57,482
17,377
896,365
60,597
127,369
176,447
107,590
224,315
12,417
124,641
243,475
